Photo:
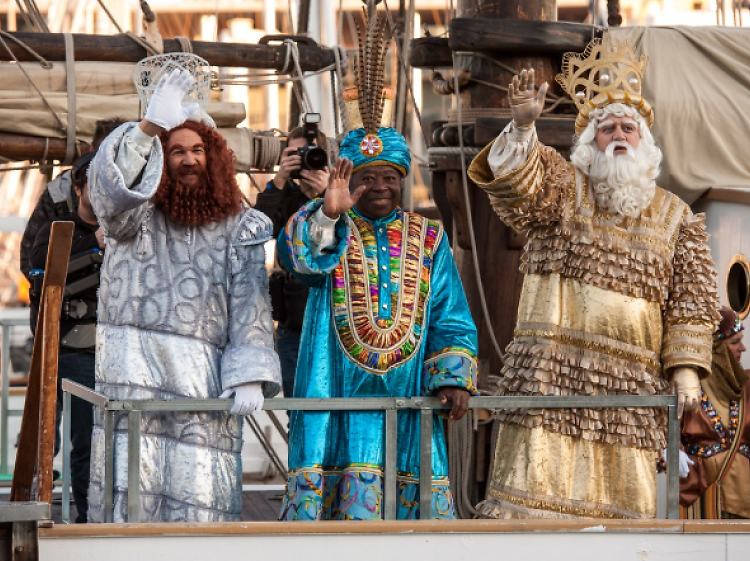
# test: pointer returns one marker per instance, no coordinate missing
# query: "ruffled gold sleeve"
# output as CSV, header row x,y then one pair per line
x,y
691,313
534,194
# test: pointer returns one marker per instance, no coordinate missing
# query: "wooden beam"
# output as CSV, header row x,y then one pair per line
x,y
430,52
21,147
119,48
516,36
56,271
552,131
48,397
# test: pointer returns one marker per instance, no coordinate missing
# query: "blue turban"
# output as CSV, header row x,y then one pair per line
x,y
389,148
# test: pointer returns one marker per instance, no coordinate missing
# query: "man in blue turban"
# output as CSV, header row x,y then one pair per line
x,y
386,317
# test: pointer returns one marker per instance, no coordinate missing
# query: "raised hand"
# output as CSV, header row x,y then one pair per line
x,y
165,109
339,199
525,103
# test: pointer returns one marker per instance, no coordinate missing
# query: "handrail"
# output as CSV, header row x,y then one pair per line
x,y
134,408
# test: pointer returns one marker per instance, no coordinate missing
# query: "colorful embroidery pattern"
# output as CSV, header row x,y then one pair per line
x,y
380,344
356,493
725,439
454,365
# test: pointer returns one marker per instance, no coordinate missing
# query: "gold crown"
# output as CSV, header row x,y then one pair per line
x,y
600,76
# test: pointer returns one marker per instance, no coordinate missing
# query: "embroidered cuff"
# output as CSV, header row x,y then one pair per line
x,y
450,367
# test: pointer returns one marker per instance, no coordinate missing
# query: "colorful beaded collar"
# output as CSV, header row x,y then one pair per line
x,y
377,345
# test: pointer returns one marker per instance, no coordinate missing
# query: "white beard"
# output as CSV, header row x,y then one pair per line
x,y
624,183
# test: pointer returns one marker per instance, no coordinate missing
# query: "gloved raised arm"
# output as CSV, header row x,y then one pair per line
x,y
165,110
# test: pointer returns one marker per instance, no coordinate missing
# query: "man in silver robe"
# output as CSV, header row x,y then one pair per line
x,y
183,310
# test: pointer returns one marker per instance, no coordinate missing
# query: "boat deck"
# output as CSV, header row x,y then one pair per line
x,y
257,505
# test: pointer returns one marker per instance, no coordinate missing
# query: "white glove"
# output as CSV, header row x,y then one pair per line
x,y
248,398
684,463
688,388
165,108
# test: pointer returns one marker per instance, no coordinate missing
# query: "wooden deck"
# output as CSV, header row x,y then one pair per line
x,y
257,506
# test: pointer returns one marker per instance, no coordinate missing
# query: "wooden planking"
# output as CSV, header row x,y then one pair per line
x,y
260,506
517,36
119,48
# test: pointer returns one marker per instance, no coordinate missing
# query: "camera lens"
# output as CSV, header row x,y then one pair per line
x,y
315,158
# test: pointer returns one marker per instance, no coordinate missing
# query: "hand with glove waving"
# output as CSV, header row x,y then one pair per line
x,y
165,109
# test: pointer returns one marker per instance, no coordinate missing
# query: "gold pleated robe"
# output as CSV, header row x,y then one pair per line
x,y
610,306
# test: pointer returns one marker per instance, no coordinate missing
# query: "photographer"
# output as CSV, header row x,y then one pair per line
x,y
77,330
291,187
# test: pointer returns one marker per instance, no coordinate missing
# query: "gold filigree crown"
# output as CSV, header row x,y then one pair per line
x,y
600,76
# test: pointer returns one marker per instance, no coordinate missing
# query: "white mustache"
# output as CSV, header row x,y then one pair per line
x,y
610,151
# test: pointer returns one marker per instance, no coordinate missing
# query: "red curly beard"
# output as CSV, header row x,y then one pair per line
x,y
196,195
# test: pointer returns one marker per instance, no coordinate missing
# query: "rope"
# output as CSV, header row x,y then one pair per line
x,y
26,19
147,46
43,61
339,93
453,150
470,115
267,150
249,79
470,222
405,70
304,99
45,64
460,463
185,45
37,20
70,80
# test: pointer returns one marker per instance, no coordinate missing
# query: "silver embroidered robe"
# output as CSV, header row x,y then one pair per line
x,y
184,312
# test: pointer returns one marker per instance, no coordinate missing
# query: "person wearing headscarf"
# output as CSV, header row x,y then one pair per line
x,y
716,437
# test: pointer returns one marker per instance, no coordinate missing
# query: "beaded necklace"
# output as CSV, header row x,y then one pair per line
x,y
724,439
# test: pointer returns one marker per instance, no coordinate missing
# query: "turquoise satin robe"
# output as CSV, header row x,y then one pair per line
x,y
403,329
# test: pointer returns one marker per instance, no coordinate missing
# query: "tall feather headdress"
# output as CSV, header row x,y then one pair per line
x,y
375,143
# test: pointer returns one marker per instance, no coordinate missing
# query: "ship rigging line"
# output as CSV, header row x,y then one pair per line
x,y
467,203
405,70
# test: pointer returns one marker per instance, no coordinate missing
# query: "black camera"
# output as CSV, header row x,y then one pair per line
x,y
313,157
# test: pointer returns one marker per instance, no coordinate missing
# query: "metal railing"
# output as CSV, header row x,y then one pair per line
x,y
11,317
391,407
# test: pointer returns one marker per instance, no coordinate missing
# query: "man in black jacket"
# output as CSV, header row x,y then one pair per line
x,y
77,330
282,198
58,199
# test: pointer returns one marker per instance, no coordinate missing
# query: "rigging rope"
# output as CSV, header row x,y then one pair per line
x,y
405,70
469,220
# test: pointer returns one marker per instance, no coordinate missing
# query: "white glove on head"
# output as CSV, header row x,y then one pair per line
x,y
248,398
688,388
165,108
684,463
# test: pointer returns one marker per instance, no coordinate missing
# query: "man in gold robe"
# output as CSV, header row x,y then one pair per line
x,y
619,297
